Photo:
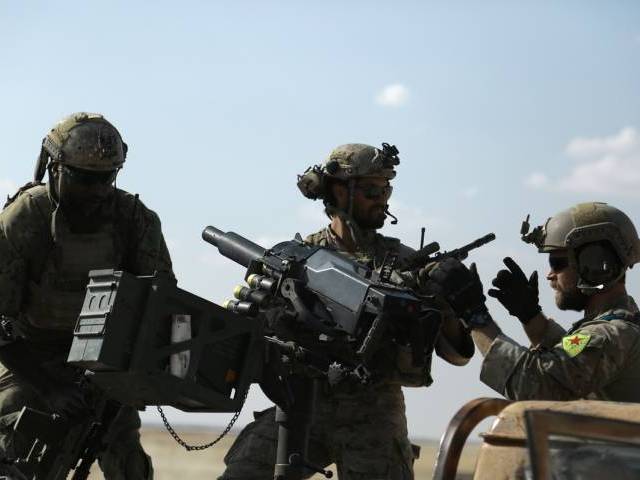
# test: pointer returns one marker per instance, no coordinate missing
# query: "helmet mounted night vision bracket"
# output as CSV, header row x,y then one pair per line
x,y
535,237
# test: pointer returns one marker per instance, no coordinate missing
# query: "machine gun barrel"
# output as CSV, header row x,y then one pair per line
x,y
233,246
463,252
429,253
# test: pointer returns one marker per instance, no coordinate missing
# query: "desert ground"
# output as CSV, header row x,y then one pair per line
x,y
171,461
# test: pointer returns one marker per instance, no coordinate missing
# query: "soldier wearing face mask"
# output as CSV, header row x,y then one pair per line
x,y
51,236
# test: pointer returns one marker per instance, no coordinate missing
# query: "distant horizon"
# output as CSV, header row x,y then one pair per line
x,y
189,428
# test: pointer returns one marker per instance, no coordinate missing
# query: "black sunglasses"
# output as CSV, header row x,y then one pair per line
x,y
88,177
558,264
374,192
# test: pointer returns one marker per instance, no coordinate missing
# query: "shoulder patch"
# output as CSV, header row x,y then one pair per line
x,y
574,344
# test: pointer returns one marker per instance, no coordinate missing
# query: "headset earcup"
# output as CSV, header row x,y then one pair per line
x,y
312,184
598,264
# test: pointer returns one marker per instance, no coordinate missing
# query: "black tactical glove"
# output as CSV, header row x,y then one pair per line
x,y
462,288
517,294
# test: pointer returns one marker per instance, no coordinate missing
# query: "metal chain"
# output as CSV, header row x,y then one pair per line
x,y
190,448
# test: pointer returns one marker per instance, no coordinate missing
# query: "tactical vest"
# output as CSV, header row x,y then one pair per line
x,y
55,299
56,289
372,253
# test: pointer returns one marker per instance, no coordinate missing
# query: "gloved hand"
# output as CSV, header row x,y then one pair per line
x,y
517,294
460,286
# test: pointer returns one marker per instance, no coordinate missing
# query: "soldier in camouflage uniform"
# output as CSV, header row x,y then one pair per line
x,y
51,235
590,246
360,428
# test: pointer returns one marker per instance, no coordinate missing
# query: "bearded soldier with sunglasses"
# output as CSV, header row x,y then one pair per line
x,y
591,246
51,235
361,428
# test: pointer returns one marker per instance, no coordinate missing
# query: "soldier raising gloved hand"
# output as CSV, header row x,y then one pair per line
x,y
591,246
515,292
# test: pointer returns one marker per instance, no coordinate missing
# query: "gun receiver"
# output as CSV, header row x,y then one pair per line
x,y
330,294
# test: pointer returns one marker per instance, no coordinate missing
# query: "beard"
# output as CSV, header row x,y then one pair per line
x,y
372,219
571,300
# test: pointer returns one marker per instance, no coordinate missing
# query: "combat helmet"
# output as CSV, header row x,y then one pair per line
x,y
601,242
82,140
348,162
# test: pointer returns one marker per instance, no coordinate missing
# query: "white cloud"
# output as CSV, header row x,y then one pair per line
x,y
536,180
608,165
624,142
394,95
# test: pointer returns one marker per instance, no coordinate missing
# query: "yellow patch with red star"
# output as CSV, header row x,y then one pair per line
x,y
575,343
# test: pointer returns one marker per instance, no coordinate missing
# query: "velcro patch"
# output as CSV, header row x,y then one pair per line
x,y
575,343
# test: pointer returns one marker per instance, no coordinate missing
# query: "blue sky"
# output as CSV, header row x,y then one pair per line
x,y
499,109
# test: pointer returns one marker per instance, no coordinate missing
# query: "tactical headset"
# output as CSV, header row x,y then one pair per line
x,y
595,259
598,267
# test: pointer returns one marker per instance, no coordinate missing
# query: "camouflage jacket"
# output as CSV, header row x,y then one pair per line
x,y
598,358
29,256
396,360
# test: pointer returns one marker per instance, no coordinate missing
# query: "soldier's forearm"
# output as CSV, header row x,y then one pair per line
x,y
455,355
454,333
483,337
536,328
